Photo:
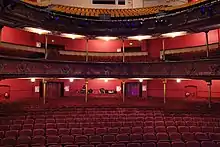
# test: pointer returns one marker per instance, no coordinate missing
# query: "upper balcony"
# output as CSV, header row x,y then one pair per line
x,y
192,17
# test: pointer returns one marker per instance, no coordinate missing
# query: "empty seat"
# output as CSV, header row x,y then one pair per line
x,y
38,140
149,129
16,127
178,144
125,130
208,144
149,137
67,139
169,123
162,136
53,139
63,131
28,126
201,136
133,145
118,145
109,139
149,144
113,130
163,144
137,130
159,123
51,126
61,125
81,139
39,126
89,131
188,136
207,129
38,132
101,131
183,129
194,129
11,133
214,137
25,132
51,132
24,140
160,129
87,145
76,131
95,139
8,141
171,129
175,136
122,138
103,145
192,144
136,138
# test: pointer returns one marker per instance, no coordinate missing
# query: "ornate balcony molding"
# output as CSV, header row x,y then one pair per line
x,y
21,68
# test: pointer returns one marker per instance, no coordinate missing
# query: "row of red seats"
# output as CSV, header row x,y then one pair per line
x,y
68,140
115,130
185,136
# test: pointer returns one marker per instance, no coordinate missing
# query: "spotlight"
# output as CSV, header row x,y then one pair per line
x,y
106,80
71,80
178,80
140,80
33,80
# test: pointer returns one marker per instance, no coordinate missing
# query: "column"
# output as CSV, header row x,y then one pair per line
x,y
46,42
86,94
44,90
207,44
164,90
123,91
218,37
87,49
163,45
123,50
209,84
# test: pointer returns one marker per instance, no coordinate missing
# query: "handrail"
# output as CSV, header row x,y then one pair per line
x,y
70,53
212,46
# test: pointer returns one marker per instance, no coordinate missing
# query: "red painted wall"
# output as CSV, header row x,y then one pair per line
x,y
177,90
21,37
23,89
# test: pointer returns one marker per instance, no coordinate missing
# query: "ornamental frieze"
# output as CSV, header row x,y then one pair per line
x,y
16,67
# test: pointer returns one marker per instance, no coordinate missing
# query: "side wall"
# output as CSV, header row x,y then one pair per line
x,y
153,46
23,89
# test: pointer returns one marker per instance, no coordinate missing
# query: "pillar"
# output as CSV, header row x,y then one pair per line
x,y
123,50
209,84
44,90
218,37
123,91
207,44
87,49
46,52
163,45
164,90
86,94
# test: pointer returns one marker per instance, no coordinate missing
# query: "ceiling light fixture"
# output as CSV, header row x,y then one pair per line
x,y
37,30
72,36
140,37
174,34
106,38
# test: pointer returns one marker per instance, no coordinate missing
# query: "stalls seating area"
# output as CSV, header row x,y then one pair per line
x,y
110,127
114,13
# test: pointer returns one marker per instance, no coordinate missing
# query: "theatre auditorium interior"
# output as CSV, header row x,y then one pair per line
x,y
109,73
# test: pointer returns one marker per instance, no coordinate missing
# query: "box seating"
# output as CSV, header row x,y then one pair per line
x,y
110,127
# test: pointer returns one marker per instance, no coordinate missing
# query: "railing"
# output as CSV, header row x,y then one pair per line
x,y
21,67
